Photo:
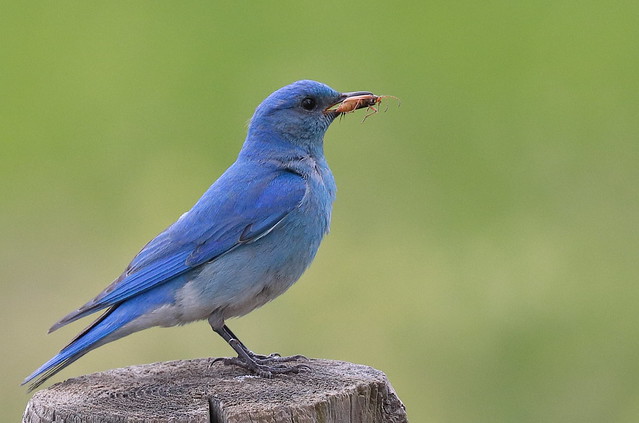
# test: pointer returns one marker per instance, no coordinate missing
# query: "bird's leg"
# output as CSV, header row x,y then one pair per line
x,y
258,364
263,359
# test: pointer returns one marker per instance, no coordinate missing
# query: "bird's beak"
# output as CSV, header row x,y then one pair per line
x,y
344,96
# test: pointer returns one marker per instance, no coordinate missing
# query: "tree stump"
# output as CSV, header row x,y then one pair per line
x,y
199,391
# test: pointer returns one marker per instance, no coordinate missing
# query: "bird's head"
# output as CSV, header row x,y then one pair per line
x,y
298,113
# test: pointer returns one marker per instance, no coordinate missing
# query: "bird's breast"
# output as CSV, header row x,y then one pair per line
x,y
317,204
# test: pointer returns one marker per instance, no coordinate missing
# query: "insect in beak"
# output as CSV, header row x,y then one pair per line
x,y
349,102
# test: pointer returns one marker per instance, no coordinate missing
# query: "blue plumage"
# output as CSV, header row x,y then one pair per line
x,y
247,239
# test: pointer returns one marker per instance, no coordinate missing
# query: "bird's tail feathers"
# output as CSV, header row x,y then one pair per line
x,y
83,311
98,333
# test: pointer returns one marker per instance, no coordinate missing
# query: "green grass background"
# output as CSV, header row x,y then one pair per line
x,y
485,238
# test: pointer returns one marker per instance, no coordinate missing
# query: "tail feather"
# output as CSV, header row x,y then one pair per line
x,y
100,332
87,309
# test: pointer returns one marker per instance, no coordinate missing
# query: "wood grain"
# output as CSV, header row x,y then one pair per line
x,y
198,391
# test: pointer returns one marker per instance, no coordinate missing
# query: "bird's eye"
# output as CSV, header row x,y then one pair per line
x,y
309,103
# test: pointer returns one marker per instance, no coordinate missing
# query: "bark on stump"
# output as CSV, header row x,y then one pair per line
x,y
196,391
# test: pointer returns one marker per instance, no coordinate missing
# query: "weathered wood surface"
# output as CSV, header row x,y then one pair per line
x,y
196,391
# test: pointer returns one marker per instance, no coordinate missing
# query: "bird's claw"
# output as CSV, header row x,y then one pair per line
x,y
264,357
261,366
275,358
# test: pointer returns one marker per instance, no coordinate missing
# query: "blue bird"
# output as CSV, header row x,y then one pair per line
x,y
245,241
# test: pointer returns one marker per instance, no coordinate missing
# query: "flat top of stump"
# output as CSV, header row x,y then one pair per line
x,y
202,391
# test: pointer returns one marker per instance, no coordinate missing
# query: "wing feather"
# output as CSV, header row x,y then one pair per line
x,y
222,220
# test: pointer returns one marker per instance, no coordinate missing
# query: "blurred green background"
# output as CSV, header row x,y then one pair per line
x,y
484,244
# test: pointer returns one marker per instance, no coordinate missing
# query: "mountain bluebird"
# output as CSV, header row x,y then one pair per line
x,y
246,241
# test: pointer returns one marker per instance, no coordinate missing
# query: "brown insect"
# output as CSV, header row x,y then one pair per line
x,y
369,101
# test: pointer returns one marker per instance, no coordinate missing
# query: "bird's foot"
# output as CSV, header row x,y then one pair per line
x,y
262,370
274,358
262,365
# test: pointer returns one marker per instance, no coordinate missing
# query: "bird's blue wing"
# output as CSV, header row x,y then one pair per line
x,y
236,210
249,216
